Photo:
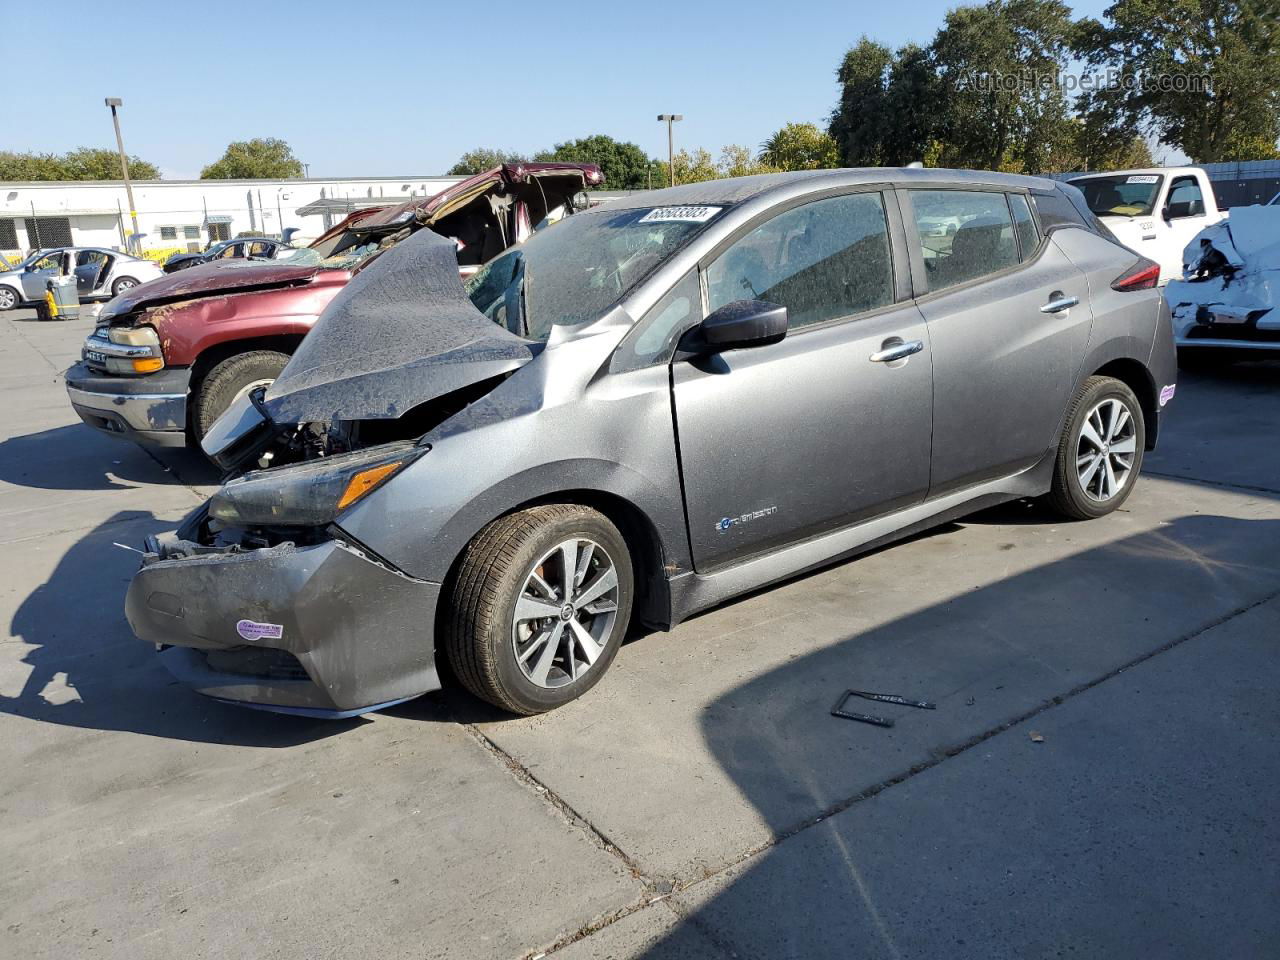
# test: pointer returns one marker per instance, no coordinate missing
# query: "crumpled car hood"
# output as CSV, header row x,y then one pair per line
x,y
401,333
206,279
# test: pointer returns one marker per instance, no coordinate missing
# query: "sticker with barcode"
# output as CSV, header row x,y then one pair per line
x,y
1144,178
679,214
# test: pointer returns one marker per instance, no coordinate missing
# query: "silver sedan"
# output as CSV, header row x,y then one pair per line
x,y
100,274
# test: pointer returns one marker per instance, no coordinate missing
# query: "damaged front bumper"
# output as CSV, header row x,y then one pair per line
x,y
150,409
321,630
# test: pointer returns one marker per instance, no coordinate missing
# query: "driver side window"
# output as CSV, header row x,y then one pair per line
x,y
822,261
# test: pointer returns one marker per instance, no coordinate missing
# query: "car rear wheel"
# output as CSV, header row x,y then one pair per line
x,y
539,607
8,298
231,379
1100,453
123,283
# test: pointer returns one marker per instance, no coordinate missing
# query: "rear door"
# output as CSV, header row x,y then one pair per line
x,y
91,270
1009,320
785,441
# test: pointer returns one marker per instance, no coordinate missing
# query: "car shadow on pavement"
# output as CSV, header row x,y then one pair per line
x,y
73,457
1006,879
73,660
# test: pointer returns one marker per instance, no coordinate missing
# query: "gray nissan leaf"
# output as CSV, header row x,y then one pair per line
x,y
642,411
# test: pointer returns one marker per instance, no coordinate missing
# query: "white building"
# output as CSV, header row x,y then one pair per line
x,y
186,214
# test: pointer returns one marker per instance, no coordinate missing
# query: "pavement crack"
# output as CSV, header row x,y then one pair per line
x,y
593,833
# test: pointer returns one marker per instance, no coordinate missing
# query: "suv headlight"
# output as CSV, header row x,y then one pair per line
x,y
310,494
139,350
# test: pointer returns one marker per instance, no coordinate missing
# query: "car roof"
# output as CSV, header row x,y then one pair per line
x,y
738,189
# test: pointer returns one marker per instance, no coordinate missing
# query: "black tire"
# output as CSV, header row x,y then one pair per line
x,y
228,378
122,283
10,298
1068,495
477,622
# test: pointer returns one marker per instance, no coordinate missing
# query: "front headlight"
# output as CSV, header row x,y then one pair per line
x,y
138,350
310,494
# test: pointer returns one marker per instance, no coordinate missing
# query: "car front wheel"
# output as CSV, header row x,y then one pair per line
x,y
538,607
1100,453
8,298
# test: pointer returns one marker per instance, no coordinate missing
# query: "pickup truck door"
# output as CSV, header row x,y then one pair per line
x,y
1183,216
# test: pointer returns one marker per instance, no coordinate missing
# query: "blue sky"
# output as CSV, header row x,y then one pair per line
x,y
398,87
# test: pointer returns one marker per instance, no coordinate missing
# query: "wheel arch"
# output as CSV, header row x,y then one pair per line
x,y
650,562
209,358
1135,375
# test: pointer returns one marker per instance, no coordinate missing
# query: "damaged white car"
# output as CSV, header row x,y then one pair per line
x,y
1229,299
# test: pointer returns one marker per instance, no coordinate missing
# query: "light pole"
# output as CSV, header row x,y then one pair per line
x,y
671,118
306,171
114,102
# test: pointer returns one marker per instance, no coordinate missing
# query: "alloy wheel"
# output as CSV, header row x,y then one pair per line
x,y
125,284
8,299
1106,449
565,613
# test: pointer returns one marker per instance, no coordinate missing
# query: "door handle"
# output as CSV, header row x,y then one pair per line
x,y
900,350
1059,303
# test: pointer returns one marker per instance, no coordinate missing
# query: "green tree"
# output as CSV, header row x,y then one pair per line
x,y
624,165
800,146
998,65
913,105
83,163
92,163
257,159
1200,75
695,166
481,159
738,161
861,118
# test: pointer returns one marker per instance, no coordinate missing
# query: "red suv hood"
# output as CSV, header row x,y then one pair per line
x,y
208,279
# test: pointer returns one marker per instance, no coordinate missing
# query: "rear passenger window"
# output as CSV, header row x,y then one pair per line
x,y
822,261
1055,210
1023,225
963,235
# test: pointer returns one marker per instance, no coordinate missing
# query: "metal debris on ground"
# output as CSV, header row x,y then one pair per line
x,y
839,711
1037,736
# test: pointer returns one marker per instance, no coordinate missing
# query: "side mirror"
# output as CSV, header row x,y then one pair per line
x,y
745,323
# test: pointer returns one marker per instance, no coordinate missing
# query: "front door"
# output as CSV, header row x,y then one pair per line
x,y
822,429
39,273
1007,337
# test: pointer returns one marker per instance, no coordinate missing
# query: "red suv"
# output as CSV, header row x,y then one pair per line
x,y
169,356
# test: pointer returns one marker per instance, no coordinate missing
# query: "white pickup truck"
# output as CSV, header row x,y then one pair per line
x,y
1156,212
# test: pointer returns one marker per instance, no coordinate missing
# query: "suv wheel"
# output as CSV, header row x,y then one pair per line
x,y
1100,453
227,381
538,607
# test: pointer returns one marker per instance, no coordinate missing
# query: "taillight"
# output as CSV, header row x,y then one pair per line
x,y
1143,275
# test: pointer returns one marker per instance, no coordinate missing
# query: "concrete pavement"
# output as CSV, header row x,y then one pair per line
x,y
700,802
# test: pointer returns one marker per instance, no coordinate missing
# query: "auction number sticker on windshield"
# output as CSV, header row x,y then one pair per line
x,y
1144,178
679,214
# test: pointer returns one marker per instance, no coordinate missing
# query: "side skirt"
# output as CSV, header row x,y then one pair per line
x,y
693,592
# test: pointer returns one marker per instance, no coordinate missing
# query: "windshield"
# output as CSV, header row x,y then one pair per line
x,y
1125,196
575,270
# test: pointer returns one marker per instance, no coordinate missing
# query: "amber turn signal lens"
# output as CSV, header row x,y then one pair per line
x,y
365,481
148,365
